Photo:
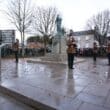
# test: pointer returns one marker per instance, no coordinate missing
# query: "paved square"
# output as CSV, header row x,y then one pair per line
x,y
87,87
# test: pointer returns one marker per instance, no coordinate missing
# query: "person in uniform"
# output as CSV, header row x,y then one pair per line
x,y
108,53
71,50
95,51
16,49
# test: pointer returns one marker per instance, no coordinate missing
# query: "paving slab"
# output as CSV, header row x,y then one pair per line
x,y
88,106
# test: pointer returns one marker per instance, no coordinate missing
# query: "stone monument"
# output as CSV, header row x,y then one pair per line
x,y
58,44
59,41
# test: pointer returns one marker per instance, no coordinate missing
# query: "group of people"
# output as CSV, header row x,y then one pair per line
x,y
71,51
72,48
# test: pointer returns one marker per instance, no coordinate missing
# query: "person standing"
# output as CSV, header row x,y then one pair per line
x,y
71,49
95,51
16,49
108,53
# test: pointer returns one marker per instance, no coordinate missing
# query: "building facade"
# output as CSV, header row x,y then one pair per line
x,y
84,39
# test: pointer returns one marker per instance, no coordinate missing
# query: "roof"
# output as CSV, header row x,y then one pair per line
x,y
80,33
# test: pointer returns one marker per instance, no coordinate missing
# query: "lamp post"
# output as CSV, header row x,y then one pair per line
x,y
95,32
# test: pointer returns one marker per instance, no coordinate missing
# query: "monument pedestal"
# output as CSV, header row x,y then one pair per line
x,y
58,51
56,57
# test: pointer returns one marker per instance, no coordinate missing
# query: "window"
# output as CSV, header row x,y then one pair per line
x,y
79,46
87,45
79,39
87,37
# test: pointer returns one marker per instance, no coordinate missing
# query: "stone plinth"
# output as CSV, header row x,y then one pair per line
x,y
59,45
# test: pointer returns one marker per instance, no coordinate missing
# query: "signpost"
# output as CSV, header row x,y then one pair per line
x,y
8,36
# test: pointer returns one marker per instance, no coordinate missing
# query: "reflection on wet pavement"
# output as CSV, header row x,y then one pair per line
x,y
107,74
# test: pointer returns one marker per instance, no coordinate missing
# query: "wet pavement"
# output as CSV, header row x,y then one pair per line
x,y
87,87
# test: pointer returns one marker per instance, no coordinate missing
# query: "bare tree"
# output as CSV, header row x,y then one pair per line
x,y
44,22
20,14
100,23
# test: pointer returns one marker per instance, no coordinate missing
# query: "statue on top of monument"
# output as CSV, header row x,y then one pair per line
x,y
58,23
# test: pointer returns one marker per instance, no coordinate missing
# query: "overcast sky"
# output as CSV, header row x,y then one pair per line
x,y
75,13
